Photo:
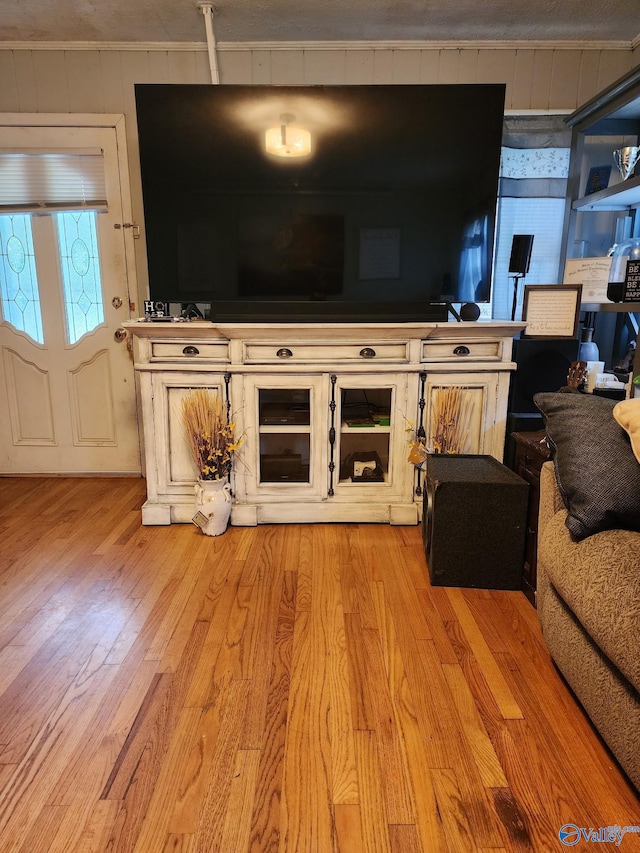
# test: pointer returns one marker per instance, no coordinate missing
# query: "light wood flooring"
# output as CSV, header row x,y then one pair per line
x,y
294,688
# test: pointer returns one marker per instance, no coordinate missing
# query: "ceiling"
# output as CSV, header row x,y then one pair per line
x,y
242,21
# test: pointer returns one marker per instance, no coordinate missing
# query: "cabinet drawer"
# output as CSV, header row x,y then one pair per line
x,y
298,352
461,351
189,351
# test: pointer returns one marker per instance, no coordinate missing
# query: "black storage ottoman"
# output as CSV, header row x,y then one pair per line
x,y
474,522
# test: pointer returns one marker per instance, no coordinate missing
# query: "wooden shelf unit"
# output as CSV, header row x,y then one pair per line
x,y
609,121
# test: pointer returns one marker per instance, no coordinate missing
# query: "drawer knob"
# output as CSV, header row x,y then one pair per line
x,y
368,352
461,350
191,350
284,352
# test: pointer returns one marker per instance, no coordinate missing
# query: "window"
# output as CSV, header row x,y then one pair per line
x,y
542,217
532,200
80,267
18,278
71,186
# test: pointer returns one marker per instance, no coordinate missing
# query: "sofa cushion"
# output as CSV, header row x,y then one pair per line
x,y
599,579
627,414
596,470
608,697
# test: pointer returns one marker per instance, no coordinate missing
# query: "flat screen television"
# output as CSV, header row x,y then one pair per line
x,y
389,217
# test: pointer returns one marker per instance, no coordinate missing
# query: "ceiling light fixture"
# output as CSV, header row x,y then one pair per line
x,y
288,140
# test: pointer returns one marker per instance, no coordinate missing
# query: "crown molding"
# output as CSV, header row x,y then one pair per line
x,y
156,46
425,44
144,46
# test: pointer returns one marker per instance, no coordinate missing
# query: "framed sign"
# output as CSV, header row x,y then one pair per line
x,y
551,310
592,274
632,282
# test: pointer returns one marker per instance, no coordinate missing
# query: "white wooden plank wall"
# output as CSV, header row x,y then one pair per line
x,y
102,80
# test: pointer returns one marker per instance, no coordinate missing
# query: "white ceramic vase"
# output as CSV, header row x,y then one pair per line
x,y
213,501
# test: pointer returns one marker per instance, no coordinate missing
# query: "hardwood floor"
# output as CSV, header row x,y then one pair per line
x,y
279,688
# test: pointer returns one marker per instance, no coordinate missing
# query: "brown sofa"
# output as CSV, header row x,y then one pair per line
x,y
589,609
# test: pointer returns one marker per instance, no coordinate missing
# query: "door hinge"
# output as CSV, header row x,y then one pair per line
x,y
135,228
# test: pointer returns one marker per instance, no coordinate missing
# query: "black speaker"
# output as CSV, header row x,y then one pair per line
x,y
474,522
543,365
521,247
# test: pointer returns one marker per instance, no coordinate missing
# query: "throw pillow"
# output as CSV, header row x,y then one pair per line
x,y
596,470
627,414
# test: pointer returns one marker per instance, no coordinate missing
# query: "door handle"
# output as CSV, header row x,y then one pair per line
x,y
120,335
116,302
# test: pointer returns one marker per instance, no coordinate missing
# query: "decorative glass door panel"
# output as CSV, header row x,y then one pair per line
x,y
80,268
18,277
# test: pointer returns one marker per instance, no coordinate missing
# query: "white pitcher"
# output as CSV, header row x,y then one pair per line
x,y
213,506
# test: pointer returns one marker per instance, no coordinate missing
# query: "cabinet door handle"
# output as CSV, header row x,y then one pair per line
x,y
461,350
367,352
284,352
191,350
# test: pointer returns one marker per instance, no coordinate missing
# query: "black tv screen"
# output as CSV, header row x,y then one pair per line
x,y
391,212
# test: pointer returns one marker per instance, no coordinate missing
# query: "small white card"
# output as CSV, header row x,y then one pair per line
x,y
592,274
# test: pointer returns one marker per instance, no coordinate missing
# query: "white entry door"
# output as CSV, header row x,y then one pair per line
x,y
67,397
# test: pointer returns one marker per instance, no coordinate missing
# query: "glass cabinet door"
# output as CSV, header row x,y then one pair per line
x,y
325,437
284,423
365,431
286,446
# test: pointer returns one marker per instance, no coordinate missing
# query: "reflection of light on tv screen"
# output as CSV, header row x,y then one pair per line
x,y
475,262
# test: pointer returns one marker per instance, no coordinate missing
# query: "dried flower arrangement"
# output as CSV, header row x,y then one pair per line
x,y
449,416
210,434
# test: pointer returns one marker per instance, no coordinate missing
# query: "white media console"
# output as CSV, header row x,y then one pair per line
x,y
327,410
